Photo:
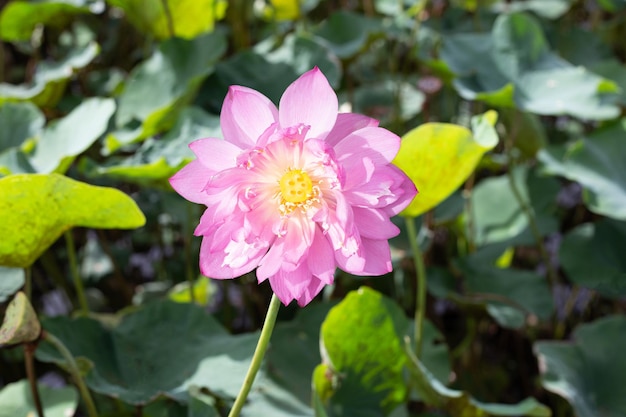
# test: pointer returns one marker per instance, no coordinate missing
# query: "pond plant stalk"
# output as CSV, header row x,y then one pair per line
x,y
257,358
420,298
74,371
29,361
78,283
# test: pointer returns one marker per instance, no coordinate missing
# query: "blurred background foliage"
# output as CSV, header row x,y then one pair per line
x,y
522,227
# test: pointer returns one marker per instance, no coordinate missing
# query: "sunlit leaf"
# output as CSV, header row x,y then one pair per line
x,y
597,164
362,348
20,323
178,67
589,371
17,400
281,10
439,157
70,136
50,79
203,290
19,18
592,256
163,348
36,209
183,18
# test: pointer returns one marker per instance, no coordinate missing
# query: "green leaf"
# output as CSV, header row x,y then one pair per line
x,y
301,54
597,164
20,323
589,371
295,350
612,5
525,130
498,215
36,209
592,256
19,121
19,18
461,404
70,136
362,348
347,33
511,294
157,160
613,70
378,100
203,290
11,280
163,348
50,79
17,401
14,161
189,18
178,67
439,157
550,9
514,66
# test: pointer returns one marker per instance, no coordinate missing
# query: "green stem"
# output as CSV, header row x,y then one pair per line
x,y
28,282
189,272
74,371
257,358
78,283
168,18
420,299
29,361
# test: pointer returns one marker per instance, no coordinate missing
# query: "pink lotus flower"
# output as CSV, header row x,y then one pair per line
x,y
295,191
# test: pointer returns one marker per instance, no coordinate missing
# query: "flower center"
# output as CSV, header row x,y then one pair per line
x,y
296,186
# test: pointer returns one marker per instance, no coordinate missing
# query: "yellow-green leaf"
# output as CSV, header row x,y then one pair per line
x,y
281,10
203,290
36,209
439,157
183,18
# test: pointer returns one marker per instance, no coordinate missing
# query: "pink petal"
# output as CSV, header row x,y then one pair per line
x,y
314,288
245,115
377,257
311,101
215,154
233,256
271,263
385,187
375,143
353,263
320,259
291,285
346,124
374,224
191,180
405,192
288,251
